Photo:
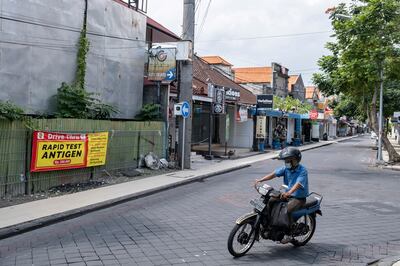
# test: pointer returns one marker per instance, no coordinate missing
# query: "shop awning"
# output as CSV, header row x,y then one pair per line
x,y
276,113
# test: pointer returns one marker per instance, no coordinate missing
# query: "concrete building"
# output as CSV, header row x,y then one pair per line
x,y
296,87
258,80
39,51
264,80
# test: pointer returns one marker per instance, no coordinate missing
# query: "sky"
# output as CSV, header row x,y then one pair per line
x,y
253,22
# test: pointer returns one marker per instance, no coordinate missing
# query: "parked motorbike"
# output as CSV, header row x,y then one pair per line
x,y
250,227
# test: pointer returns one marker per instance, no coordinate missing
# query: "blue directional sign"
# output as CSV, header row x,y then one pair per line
x,y
185,109
170,74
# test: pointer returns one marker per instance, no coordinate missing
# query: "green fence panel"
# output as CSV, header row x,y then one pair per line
x,y
128,140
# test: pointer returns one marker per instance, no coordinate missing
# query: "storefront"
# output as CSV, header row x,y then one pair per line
x,y
290,126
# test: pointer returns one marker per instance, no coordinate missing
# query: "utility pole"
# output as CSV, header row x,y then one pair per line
x,y
186,81
380,118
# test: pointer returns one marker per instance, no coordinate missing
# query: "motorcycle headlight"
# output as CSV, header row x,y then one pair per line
x,y
263,190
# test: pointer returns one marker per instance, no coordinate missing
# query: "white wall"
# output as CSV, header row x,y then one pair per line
x,y
290,130
315,131
244,134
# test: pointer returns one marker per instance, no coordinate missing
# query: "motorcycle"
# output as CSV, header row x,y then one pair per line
x,y
250,227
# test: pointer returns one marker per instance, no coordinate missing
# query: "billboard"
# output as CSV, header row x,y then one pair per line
x,y
59,151
162,64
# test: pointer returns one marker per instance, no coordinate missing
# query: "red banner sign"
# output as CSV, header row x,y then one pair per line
x,y
313,114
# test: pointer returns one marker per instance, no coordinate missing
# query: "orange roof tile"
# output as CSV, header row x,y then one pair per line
x,y
311,90
292,81
216,60
253,74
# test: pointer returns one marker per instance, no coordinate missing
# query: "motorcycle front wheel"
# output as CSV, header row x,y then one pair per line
x,y
242,238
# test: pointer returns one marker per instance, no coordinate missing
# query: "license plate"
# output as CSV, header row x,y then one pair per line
x,y
258,204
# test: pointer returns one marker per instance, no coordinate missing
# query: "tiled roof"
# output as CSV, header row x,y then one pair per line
x,y
253,74
310,92
216,60
204,74
292,80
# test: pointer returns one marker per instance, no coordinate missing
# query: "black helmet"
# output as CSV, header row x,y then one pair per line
x,y
290,153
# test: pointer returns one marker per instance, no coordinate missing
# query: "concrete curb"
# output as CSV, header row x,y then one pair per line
x,y
393,168
388,261
52,219
21,228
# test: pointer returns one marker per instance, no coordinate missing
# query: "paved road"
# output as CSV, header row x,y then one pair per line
x,y
190,224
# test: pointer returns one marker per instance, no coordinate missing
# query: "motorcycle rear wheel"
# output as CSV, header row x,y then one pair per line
x,y
310,221
240,241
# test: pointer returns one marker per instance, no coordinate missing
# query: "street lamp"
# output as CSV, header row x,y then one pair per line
x,y
342,16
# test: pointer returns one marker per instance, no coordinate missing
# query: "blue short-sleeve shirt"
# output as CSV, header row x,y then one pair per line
x,y
291,177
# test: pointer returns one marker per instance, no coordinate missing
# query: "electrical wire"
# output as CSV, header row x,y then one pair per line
x,y
204,18
267,37
66,28
184,30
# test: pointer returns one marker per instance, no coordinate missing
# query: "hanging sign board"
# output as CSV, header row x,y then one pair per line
x,y
162,64
59,151
219,101
261,127
265,101
232,94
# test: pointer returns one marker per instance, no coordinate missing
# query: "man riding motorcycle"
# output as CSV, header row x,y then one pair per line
x,y
295,176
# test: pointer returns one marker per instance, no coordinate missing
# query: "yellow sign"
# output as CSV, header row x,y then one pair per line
x,y
57,151
97,148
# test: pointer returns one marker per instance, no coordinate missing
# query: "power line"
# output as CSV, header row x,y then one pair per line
x,y
268,36
66,28
204,18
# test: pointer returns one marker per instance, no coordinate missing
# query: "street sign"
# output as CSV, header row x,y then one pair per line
x,y
219,101
313,114
265,101
170,74
185,109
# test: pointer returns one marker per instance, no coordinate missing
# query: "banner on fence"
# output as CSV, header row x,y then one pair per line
x,y
58,151
97,149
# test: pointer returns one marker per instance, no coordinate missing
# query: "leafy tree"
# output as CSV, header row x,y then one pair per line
x,y
365,44
290,104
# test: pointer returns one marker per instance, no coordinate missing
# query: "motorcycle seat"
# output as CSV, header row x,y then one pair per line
x,y
310,201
